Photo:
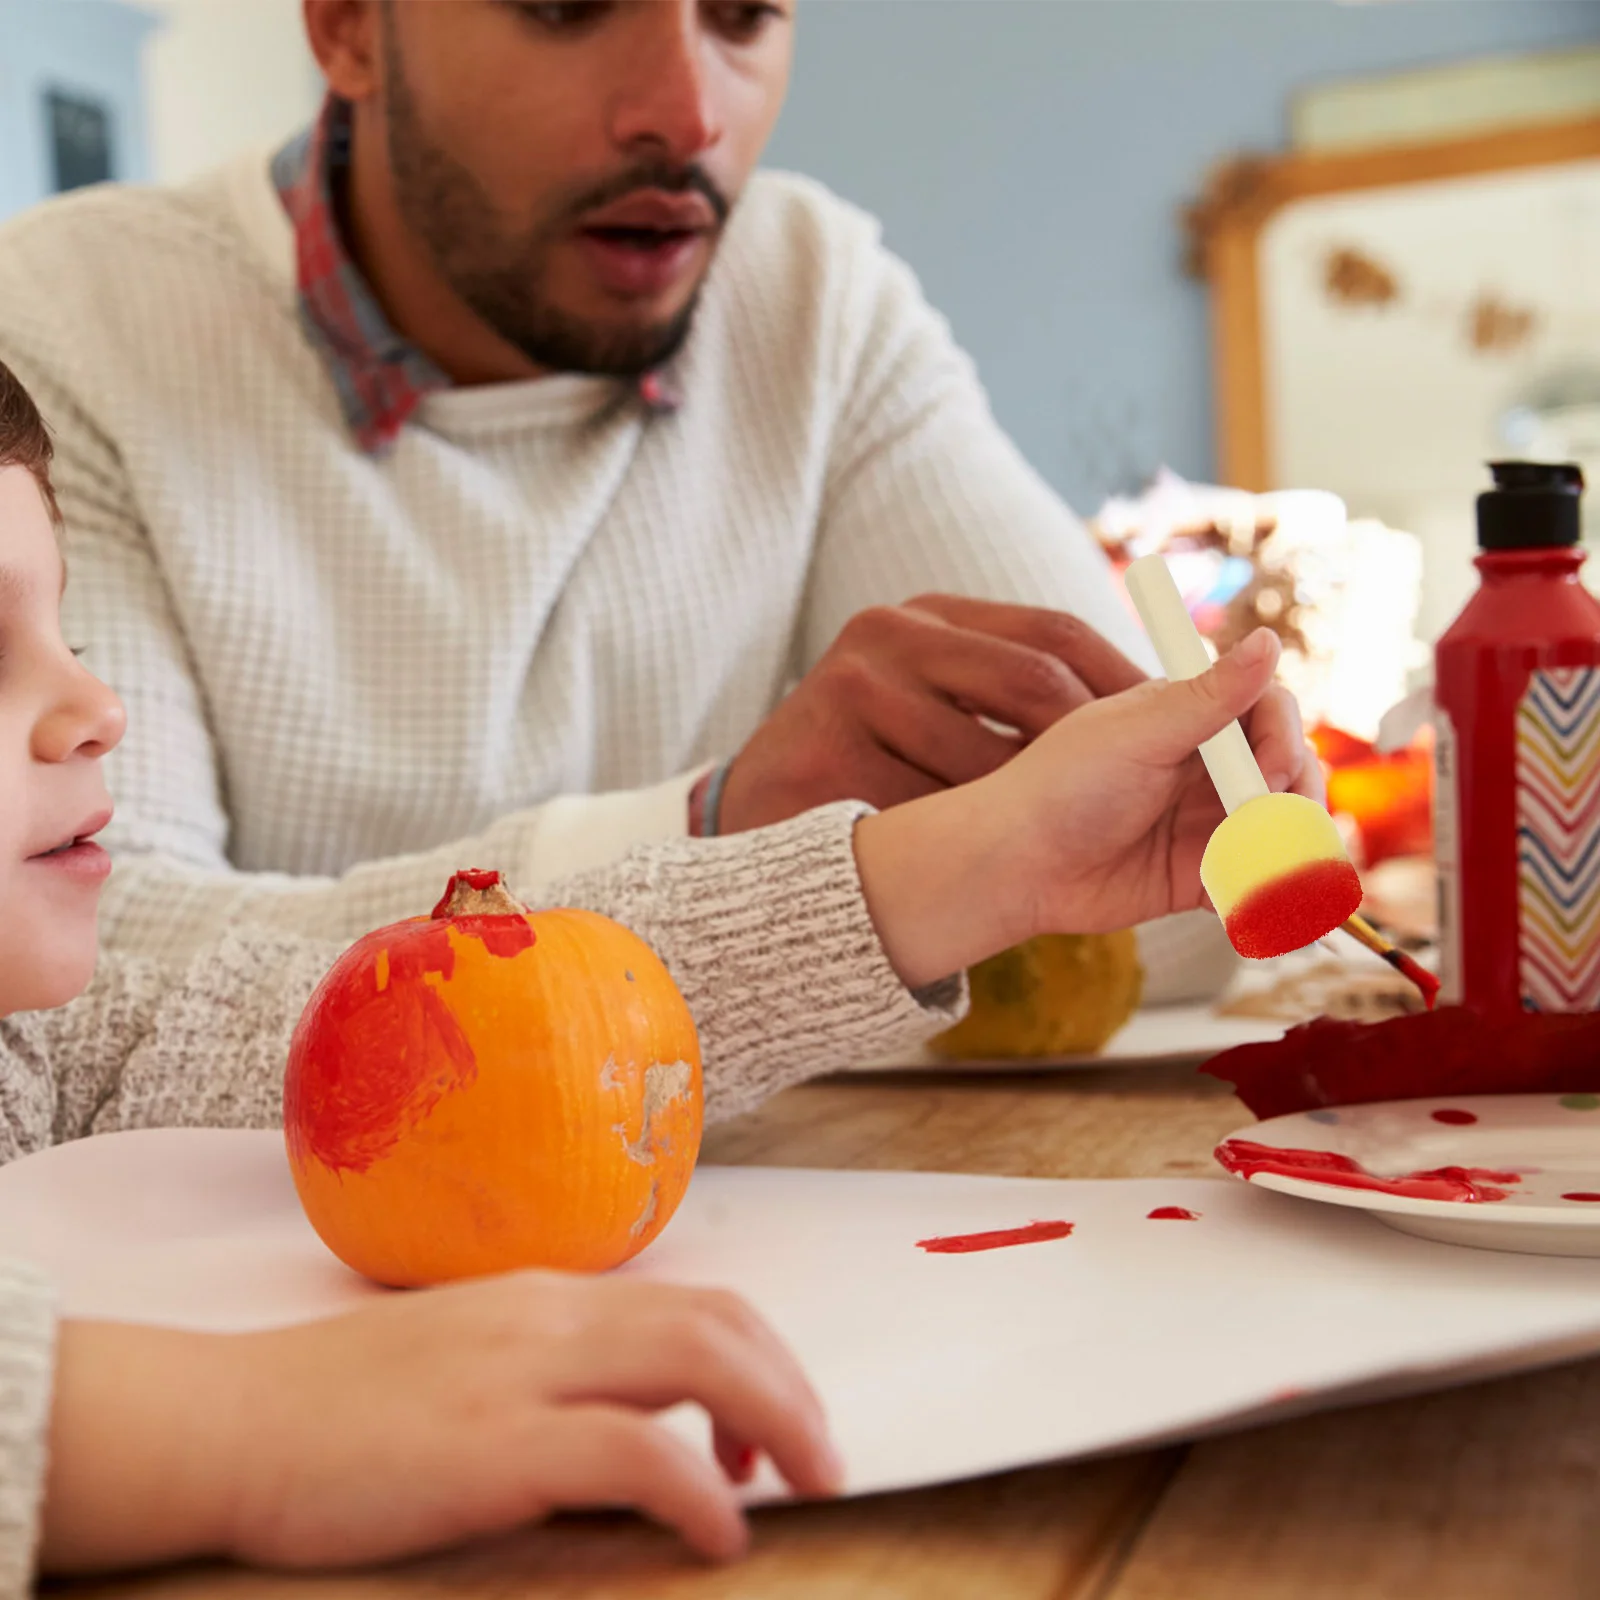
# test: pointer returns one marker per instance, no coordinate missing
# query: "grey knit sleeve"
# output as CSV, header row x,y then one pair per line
x,y
766,934
27,1359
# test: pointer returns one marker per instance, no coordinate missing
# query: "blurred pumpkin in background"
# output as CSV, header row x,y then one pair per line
x,y
1058,994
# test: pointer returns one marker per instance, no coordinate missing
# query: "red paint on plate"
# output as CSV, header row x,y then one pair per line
x,y
1472,1185
1455,1119
1580,1194
1173,1214
961,1244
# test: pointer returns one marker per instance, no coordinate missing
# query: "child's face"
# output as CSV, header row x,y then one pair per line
x,y
56,721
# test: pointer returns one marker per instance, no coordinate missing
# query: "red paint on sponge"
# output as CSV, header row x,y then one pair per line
x,y
1296,910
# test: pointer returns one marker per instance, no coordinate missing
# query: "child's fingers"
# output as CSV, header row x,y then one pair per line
x,y
597,1455
736,1457
1278,738
1180,717
712,1349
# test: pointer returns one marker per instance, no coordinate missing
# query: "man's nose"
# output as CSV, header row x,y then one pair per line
x,y
668,104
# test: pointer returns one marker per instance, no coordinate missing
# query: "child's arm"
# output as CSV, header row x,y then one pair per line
x,y
767,934
801,948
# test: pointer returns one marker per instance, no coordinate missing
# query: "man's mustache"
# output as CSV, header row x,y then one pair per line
x,y
666,178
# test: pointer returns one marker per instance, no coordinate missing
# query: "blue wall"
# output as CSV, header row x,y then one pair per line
x,y
1029,158
84,47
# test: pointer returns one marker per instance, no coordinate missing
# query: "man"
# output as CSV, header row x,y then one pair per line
x,y
471,481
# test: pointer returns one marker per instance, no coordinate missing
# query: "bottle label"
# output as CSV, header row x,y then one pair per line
x,y
1447,855
1558,840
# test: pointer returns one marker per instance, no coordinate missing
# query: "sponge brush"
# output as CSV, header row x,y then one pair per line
x,y
1277,873
1275,868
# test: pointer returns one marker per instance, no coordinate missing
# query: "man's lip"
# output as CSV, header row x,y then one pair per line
x,y
90,828
670,213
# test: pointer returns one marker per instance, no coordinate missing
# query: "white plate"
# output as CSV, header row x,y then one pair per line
x,y
1154,1034
1545,1149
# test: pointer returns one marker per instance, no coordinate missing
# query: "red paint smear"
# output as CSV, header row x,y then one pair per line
x,y
1295,910
365,1062
1465,1184
503,936
1434,1055
1455,1119
1580,1194
1172,1214
960,1244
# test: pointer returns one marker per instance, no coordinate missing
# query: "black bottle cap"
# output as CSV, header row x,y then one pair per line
x,y
1533,504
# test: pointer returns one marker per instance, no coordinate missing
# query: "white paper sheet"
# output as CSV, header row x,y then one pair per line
x,y
933,1367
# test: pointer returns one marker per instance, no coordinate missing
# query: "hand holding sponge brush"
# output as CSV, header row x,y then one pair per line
x,y
1275,868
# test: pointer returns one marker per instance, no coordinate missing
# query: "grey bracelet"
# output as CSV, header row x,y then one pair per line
x,y
709,817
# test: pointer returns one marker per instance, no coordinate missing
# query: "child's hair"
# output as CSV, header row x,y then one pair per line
x,y
24,438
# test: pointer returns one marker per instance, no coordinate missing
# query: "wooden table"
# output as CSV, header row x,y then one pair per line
x,y
1485,1493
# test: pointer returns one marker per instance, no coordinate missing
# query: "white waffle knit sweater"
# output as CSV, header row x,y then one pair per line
x,y
766,935
514,641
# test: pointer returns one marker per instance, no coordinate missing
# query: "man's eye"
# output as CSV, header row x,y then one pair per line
x,y
562,16
742,20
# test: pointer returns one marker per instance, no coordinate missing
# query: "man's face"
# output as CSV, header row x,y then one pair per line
x,y
56,721
568,167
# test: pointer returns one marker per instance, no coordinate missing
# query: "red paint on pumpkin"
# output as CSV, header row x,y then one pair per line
x,y
961,1244
375,1072
1468,1185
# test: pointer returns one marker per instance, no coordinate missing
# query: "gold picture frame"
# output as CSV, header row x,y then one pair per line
x,y
1225,227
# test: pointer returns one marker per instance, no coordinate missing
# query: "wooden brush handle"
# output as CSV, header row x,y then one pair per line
x,y
1228,756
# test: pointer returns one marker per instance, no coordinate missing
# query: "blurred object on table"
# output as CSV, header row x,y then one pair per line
x,y
1186,958
1349,987
1388,798
1341,595
1060,994
1401,899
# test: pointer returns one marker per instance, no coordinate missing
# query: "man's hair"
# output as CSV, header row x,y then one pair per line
x,y
24,438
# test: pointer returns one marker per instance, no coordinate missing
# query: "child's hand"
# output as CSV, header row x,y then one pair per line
x,y
1115,807
1100,823
424,1420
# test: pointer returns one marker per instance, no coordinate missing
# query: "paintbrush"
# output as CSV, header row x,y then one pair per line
x,y
1365,934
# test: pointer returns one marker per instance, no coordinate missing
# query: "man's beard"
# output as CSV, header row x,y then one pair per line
x,y
501,277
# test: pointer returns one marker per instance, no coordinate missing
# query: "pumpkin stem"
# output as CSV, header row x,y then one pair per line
x,y
473,892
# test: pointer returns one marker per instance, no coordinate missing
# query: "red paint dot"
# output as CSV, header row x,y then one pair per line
x,y
1173,1214
1581,1194
1456,1119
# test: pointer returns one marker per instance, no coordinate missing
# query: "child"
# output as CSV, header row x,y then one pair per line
x,y
435,1416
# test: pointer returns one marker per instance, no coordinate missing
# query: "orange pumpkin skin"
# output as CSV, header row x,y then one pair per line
x,y
472,1094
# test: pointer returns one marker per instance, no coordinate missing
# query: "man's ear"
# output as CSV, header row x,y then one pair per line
x,y
345,37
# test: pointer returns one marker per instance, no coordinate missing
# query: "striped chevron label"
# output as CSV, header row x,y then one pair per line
x,y
1558,840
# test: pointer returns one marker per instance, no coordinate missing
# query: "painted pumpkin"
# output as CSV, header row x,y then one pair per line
x,y
1059,994
490,1088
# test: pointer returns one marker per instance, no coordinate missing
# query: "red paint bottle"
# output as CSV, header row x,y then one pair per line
x,y
1517,764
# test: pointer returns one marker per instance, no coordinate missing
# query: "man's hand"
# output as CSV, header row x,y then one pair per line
x,y
896,708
